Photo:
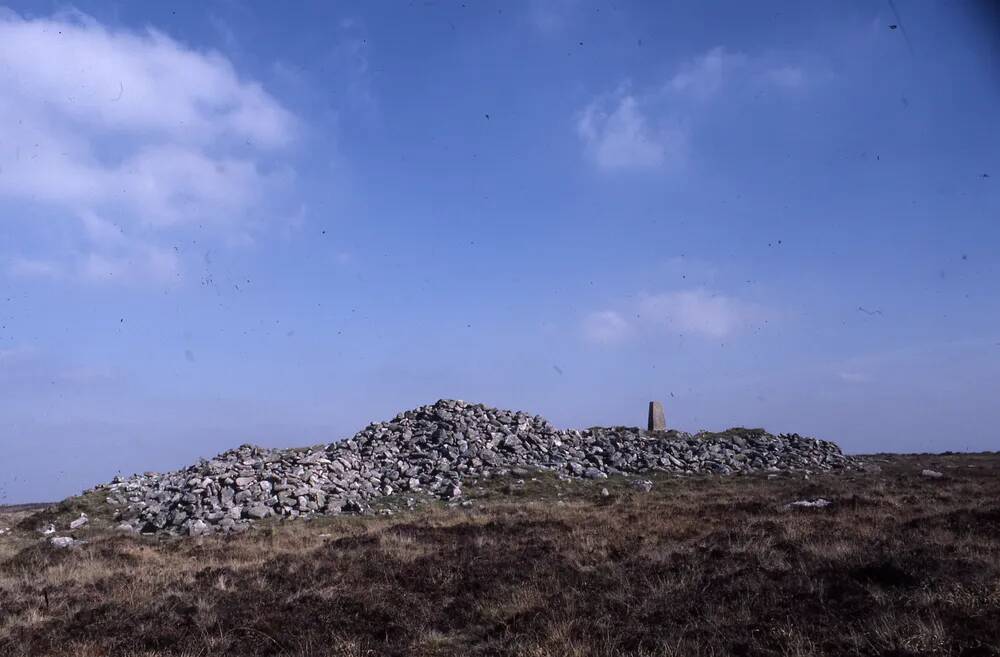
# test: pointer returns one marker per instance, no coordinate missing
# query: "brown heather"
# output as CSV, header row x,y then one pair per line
x,y
899,564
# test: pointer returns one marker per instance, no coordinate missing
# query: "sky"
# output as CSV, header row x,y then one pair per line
x,y
230,222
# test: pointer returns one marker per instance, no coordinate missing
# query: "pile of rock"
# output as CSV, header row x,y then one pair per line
x,y
433,449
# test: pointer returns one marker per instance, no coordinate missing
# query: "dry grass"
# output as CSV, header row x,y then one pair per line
x,y
898,565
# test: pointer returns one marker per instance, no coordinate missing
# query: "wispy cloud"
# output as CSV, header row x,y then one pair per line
x,y
549,16
617,134
139,264
20,267
789,77
704,76
699,312
133,125
651,128
696,312
606,327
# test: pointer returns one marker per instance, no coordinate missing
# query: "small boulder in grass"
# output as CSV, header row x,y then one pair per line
x,y
818,503
198,528
931,474
79,522
62,541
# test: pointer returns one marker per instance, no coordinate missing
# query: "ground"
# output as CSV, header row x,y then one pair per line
x,y
898,564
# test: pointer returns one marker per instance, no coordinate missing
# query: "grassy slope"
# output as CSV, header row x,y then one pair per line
x,y
899,565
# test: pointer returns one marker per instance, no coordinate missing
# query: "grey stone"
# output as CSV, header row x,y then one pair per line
x,y
931,474
79,522
61,541
656,420
258,511
352,506
198,528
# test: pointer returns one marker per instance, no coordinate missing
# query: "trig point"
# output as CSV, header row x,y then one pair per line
x,y
657,422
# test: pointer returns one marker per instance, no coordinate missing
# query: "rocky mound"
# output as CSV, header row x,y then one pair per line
x,y
431,450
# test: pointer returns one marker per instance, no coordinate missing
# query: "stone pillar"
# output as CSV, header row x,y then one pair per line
x,y
657,421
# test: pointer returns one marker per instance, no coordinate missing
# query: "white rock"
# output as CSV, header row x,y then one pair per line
x,y
931,474
818,503
198,528
79,522
61,541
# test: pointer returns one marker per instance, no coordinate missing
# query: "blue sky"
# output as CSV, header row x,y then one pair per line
x,y
241,224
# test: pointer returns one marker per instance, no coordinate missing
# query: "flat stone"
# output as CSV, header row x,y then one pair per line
x,y
258,511
818,503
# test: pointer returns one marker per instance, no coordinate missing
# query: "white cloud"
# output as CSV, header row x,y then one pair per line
x,y
71,68
618,135
549,16
132,125
789,77
699,312
605,327
101,231
651,128
708,75
704,76
20,353
696,312
19,267
140,263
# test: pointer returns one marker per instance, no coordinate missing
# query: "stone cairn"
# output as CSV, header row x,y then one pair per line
x,y
431,450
